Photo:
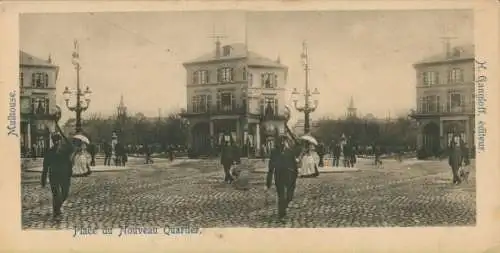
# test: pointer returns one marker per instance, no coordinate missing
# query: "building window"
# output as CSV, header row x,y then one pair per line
x,y
225,101
269,104
245,74
456,102
455,76
250,79
430,78
200,77
21,79
40,80
201,103
430,104
226,51
269,80
40,105
225,75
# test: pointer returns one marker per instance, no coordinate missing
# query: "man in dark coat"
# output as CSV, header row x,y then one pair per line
x,y
91,148
347,150
337,150
227,160
283,166
107,153
458,156
320,150
58,166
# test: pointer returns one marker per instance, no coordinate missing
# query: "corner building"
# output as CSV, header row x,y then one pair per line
x,y
37,85
445,99
228,91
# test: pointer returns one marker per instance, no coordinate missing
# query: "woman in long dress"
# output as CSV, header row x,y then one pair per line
x,y
81,159
309,162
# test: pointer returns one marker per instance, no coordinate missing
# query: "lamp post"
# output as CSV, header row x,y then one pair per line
x,y
82,97
309,106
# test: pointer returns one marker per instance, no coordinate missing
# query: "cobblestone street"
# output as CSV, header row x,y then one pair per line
x,y
416,194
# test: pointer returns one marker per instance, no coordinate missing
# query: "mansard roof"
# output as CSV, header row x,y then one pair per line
x,y
238,51
26,59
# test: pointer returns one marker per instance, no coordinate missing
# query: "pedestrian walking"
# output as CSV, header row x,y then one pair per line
x,y
378,152
283,167
337,150
171,153
457,157
119,150
92,151
352,159
347,152
227,160
149,152
124,156
57,165
320,150
108,151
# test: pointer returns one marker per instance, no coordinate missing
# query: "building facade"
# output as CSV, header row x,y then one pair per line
x,y
37,85
445,99
228,92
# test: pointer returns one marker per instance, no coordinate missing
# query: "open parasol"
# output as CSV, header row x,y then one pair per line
x,y
82,138
309,139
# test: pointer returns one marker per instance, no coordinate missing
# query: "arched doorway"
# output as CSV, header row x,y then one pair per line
x,y
201,138
431,139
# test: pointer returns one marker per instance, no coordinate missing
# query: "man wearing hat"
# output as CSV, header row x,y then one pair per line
x,y
283,166
58,166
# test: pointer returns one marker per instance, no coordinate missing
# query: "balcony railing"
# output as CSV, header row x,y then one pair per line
x,y
231,110
444,109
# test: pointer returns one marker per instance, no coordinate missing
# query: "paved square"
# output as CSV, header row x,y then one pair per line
x,y
191,192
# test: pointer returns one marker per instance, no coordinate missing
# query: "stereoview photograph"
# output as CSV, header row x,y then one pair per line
x,y
206,119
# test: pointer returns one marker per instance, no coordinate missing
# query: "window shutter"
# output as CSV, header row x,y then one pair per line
x,y
262,80
195,77
47,106
436,78
232,74
209,102
275,80
233,101
46,80
33,79
244,75
262,106
276,107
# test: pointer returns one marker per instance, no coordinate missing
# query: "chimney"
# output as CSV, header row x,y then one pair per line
x,y
217,49
278,60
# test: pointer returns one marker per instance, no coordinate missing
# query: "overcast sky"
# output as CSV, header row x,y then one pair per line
x,y
364,54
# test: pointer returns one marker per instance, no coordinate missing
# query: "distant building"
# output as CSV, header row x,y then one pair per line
x,y
37,84
351,112
228,90
445,98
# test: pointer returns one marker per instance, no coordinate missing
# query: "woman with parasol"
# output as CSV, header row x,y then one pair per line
x,y
309,157
81,158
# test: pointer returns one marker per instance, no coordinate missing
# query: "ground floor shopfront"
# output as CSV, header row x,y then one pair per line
x,y
35,136
207,134
435,133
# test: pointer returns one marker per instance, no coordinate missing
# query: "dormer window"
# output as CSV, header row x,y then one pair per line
x,y
226,50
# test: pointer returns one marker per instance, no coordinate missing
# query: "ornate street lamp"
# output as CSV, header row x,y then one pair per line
x,y
82,97
310,104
